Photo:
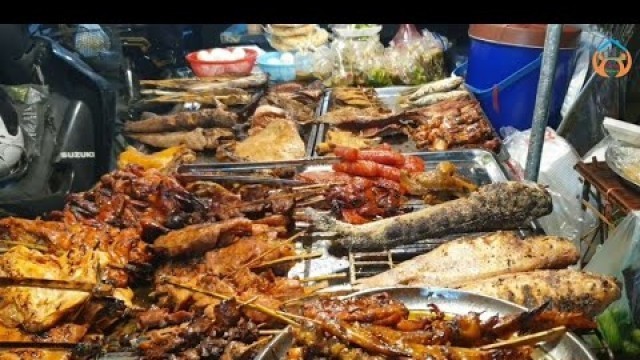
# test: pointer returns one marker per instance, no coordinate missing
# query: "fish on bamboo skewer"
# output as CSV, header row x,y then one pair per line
x,y
474,258
505,205
198,139
205,84
184,121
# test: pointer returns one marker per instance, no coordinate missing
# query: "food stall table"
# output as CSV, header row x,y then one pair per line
x,y
613,198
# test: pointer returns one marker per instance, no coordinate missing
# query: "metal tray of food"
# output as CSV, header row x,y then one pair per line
x,y
389,96
308,132
453,302
480,166
625,162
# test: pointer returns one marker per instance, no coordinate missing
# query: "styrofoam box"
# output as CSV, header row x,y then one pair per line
x,y
623,131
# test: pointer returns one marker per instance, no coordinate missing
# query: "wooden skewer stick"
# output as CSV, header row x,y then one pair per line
x,y
284,317
27,245
532,339
340,275
286,259
269,332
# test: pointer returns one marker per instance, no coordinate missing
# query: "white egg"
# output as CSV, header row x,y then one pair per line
x,y
273,61
287,58
238,53
220,55
203,55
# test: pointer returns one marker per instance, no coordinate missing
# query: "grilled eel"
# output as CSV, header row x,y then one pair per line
x,y
566,290
183,121
505,205
473,258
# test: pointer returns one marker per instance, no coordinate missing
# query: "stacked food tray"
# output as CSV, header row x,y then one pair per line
x,y
390,97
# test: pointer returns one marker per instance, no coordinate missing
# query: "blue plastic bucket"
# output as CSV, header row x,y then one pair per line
x,y
504,77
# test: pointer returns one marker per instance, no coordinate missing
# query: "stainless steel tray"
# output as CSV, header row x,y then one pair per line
x,y
481,166
450,301
619,157
389,97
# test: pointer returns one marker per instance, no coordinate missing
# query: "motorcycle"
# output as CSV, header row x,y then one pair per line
x,y
65,112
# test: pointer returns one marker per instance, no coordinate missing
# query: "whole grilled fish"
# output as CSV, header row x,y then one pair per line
x,y
473,258
567,290
197,140
437,86
184,121
499,206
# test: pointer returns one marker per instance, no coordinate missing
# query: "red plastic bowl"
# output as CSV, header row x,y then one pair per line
x,y
217,68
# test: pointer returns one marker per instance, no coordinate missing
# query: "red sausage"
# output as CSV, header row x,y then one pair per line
x,y
413,164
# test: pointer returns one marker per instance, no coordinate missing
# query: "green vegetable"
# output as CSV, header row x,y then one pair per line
x,y
635,336
609,328
631,348
379,77
363,26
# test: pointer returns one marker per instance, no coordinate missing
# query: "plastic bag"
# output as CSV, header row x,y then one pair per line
x,y
32,106
619,256
557,171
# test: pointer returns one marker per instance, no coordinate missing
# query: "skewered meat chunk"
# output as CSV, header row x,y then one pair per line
x,y
195,239
378,309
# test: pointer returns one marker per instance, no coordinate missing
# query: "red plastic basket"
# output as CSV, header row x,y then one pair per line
x,y
216,68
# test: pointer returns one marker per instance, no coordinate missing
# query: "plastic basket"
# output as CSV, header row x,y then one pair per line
x,y
277,72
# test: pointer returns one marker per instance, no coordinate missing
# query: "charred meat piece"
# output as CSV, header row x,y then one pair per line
x,y
378,309
198,139
184,121
199,238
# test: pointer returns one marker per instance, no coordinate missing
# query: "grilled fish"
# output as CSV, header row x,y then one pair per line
x,y
197,140
437,86
184,121
475,258
499,206
567,290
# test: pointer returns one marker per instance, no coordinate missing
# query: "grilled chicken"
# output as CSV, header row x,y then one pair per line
x,y
279,140
38,309
475,258
567,290
184,121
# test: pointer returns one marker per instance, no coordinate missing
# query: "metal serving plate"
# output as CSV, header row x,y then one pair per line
x,y
449,301
619,157
389,96
480,166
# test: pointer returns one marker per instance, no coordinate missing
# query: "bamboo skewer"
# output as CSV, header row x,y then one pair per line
x,y
313,255
284,317
532,339
341,275
27,245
